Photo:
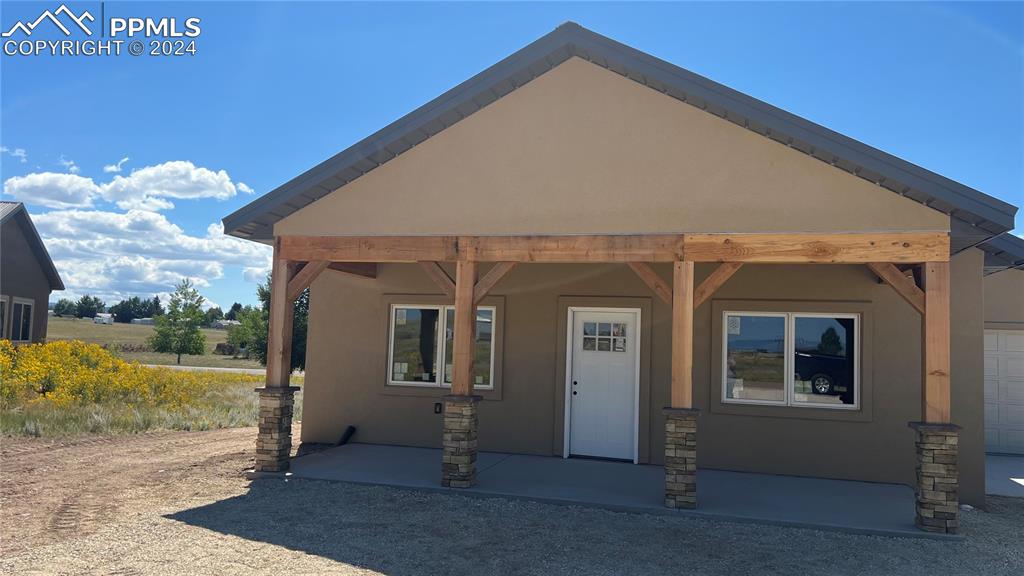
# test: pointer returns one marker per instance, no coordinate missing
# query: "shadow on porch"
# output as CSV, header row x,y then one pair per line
x,y
856,507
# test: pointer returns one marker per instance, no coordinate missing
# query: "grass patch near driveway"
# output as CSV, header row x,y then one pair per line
x,y
67,388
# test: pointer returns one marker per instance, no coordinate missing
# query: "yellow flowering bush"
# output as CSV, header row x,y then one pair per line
x,y
68,379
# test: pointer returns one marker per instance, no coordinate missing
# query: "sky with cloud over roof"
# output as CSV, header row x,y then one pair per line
x,y
128,164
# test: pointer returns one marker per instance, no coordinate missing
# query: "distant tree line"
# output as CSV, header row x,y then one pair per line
x,y
124,311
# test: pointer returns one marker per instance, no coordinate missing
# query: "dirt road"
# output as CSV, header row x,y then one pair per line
x,y
51,490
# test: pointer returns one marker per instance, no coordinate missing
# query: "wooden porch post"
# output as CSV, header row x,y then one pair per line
x,y
465,328
935,389
282,315
680,417
936,437
458,464
274,440
682,335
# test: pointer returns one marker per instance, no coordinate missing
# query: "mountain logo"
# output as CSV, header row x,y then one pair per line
x,y
28,28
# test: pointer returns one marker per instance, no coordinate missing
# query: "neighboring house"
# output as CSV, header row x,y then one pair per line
x,y
581,247
27,276
225,324
143,321
1004,345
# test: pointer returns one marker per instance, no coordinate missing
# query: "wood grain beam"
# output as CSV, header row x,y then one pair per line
x,y
935,393
304,277
582,248
682,335
440,277
465,329
818,248
900,282
849,248
653,281
281,318
489,280
715,281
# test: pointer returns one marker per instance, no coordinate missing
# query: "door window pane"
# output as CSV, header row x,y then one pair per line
x,y
755,364
414,344
16,321
481,349
823,360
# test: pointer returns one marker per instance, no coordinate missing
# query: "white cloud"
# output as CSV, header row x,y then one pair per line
x,y
18,153
69,165
53,190
138,252
244,188
149,188
116,167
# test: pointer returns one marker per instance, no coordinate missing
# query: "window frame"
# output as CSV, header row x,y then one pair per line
x,y
439,361
789,365
31,328
6,300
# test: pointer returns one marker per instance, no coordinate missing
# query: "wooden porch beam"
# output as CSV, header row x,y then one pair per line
x,y
653,281
900,282
935,395
818,248
682,335
282,315
582,248
840,248
493,276
304,277
715,281
440,277
465,328
364,269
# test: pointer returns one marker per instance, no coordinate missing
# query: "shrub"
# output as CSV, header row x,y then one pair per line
x,y
69,387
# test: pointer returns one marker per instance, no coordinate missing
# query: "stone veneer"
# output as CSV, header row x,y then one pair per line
x,y
274,440
681,457
938,483
458,464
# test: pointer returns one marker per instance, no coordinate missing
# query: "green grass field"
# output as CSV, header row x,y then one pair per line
x,y
134,335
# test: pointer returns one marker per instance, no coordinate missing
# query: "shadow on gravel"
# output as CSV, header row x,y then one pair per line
x,y
399,532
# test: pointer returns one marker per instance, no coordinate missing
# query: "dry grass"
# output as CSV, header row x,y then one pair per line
x,y
135,336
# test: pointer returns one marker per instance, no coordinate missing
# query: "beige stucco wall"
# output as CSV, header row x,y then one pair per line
x,y
1004,300
347,360
584,150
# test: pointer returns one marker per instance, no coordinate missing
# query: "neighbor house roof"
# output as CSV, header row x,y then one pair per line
x,y
976,216
15,211
1003,252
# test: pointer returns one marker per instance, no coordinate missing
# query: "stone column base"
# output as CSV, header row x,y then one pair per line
x,y
681,457
938,480
274,440
458,464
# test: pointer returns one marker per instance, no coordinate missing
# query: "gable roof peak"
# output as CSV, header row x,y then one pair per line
x,y
979,216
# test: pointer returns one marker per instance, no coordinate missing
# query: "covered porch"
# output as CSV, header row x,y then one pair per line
x,y
915,264
854,507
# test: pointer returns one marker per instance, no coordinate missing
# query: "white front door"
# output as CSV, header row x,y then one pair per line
x,y
603,383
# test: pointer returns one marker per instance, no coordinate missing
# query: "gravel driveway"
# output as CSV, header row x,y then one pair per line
x,y
212,521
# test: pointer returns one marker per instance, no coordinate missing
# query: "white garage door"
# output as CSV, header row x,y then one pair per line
x,y
1004,391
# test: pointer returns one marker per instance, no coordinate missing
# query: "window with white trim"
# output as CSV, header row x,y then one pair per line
x,y
3,316
791,359
421,342
21,319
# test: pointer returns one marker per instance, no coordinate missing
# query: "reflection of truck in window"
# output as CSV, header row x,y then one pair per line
x,y
826,373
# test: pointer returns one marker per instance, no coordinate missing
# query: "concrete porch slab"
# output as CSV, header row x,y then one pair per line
x,y
856,507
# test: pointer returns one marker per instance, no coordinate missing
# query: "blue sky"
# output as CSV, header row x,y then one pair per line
x,y
277,87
